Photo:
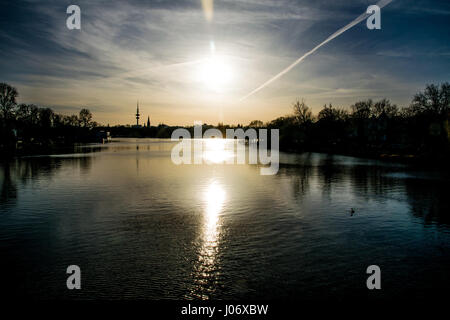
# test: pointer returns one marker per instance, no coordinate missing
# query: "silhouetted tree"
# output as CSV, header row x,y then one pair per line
x,y
330,128
85,117
302,113
331,114
434,100
362,109
46,117
384,107
8,97
326,114
71,120
256,124
28,114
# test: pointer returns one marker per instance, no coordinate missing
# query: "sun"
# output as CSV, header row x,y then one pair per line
x,y
215,73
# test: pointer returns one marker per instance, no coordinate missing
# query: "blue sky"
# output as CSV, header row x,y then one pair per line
x,y
154,52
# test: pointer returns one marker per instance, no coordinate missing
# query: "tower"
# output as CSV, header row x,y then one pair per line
x,y
137,114
148,122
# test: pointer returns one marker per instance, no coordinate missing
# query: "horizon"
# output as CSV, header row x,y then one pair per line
x,y
185,62
314,114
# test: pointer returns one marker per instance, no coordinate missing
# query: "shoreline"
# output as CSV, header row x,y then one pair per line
x,y
408,159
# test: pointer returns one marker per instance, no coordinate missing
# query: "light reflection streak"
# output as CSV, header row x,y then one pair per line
x,y
218,150
206,267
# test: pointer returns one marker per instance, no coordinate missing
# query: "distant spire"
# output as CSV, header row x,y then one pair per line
x,y
137,114
148,122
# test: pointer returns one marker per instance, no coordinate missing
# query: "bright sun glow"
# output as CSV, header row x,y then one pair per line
x,y
217,150
215,73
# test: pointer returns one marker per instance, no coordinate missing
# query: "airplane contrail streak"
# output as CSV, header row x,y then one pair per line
x,y
362,17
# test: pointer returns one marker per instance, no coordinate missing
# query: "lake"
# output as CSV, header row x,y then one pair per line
x,y
141,227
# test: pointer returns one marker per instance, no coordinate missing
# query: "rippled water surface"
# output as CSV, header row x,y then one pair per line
x,y
141,227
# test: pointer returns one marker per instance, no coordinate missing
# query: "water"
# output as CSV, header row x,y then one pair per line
x,y
141,227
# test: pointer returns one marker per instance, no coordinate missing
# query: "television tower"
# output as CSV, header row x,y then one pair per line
x,y
137,114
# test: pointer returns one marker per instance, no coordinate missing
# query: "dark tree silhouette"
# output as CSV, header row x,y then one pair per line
x,y
256,124
46,117
384,108
434,100
28,114
71,121
27,126
302,113
331,114
85,118
362,109
8,97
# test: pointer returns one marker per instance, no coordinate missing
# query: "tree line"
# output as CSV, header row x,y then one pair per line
x,y
30,124
373,128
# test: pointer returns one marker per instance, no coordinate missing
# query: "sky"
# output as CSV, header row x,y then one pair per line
x,y
188,61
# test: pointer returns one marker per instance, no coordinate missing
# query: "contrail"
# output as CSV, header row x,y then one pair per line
x,y
362,17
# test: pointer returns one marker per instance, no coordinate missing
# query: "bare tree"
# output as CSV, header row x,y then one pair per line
x,y
384,107
362,109
332,114
302,113
256,124
8,97
433,100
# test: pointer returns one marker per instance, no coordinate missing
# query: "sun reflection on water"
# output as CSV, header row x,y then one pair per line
x,y
218,150
206,269
214,198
